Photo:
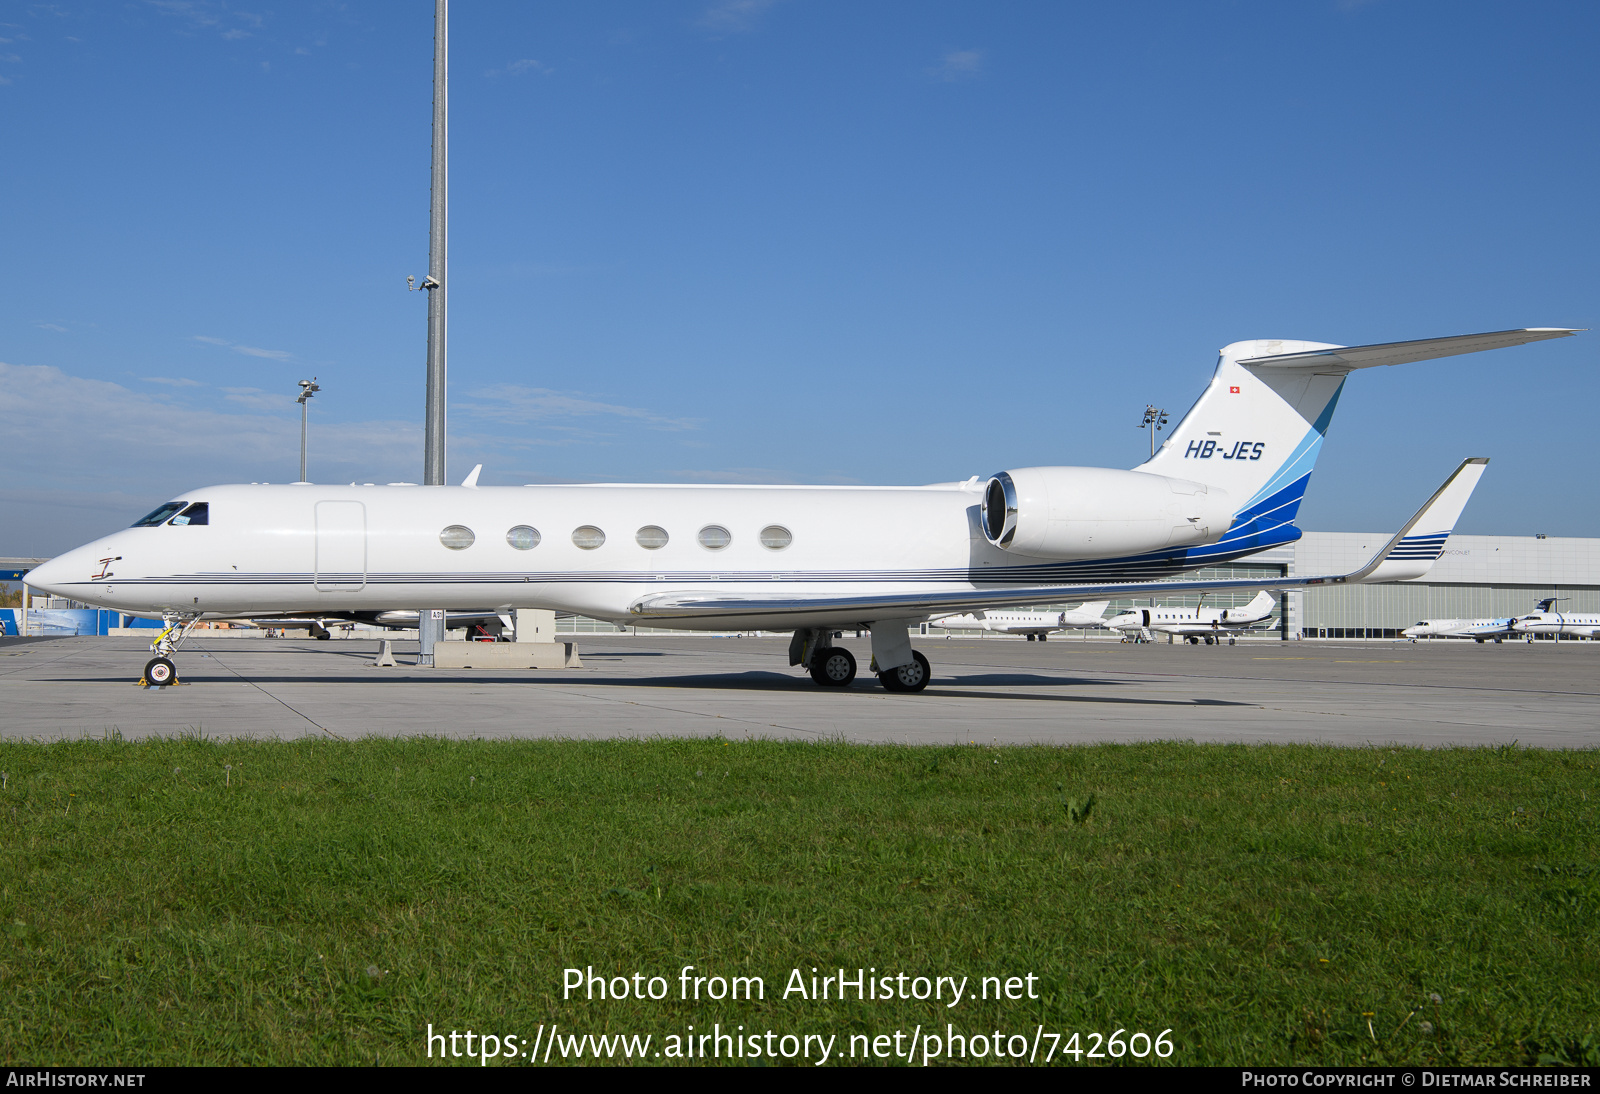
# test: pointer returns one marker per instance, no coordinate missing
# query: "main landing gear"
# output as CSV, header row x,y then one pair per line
x,y
833,666
160,671
912,677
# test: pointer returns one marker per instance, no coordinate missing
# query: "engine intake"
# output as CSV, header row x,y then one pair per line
x,y
1094,512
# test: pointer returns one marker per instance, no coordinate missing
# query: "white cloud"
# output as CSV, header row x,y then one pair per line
x,y
961,64
122,438
248,351
175,382
51,326
271,354
255,397
734,16
514,404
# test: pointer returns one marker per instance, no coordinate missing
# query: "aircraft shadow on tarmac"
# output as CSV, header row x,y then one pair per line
x,y
753,681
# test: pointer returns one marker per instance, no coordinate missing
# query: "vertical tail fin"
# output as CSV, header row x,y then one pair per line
x,y
1258,428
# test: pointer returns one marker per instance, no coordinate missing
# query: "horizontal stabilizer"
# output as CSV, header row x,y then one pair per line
x,y
1347,358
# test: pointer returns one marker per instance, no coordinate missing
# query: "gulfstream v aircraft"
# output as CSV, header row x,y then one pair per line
x,y
807,559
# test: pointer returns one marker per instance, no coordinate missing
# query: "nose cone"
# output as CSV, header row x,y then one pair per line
x,y
71,575
53,575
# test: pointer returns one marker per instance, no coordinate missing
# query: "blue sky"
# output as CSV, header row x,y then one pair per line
x,y
790,241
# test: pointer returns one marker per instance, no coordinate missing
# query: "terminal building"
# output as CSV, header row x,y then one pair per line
x,y
1477,577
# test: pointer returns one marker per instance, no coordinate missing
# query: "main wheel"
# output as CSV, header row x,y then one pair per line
x,y
160,672
912,677
833,667
1044,638
1194,640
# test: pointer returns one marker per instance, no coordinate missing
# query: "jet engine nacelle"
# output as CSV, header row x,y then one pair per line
x,y
1094,512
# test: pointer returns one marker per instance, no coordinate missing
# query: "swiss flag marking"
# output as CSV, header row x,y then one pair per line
x,y
1233,391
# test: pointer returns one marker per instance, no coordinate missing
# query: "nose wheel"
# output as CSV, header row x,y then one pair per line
x,y
160,672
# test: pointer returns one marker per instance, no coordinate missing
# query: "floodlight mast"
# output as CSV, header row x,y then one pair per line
x,y
308,388
430,623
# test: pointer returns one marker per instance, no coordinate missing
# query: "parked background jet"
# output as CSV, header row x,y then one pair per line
x,y
1033,624
1545,621
1479,629
1195,624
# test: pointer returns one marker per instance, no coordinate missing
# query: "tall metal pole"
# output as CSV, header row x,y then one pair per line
x,y
433,452
430,628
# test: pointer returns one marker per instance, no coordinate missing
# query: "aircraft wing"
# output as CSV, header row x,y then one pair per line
x,y
1346,358
1407,555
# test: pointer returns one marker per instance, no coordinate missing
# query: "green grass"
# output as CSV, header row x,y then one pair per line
x,y
185,901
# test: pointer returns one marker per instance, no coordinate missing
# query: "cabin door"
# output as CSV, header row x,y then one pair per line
x,y
341,546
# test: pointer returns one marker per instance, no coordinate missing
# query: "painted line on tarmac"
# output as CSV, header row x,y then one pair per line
x,y
211,654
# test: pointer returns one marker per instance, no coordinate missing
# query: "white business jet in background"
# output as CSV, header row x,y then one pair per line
x,y
1548,621
1479,629
808,559
1032,624
1210,624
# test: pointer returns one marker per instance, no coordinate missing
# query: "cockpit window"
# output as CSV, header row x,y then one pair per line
x,y
198,513
160,515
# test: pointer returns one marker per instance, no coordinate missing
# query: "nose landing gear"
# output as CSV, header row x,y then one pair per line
x,y
160,671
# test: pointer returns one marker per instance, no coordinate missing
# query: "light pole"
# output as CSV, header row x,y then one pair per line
x,y
308,388
1157,418
430,622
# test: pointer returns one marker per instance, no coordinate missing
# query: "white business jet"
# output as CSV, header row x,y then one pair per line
x,y
1479,629
1032,624
1196,624
808,559
1548,621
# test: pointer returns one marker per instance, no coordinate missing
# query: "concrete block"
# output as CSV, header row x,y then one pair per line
x,y
386,656
534,625
506,655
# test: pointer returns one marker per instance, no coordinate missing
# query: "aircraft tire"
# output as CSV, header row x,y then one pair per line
x,y
159,672
1209,640
1194,640
912,677
1044,638
834,668
1231,641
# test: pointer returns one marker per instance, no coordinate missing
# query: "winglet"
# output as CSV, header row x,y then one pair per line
x,y
472,476
1414,549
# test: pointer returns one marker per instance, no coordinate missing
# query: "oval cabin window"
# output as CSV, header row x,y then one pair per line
x,y
714,537
775,537
523,537
588,537
651,537
457,537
